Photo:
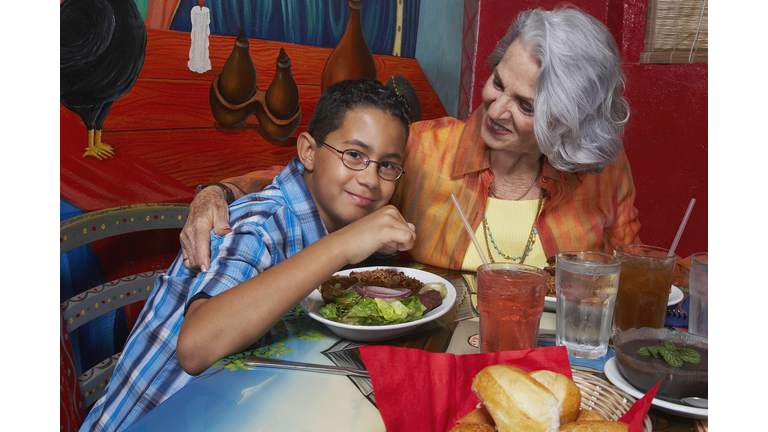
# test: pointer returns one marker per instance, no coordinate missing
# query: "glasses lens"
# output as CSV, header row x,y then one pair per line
x,y
390,171
358,161
355,160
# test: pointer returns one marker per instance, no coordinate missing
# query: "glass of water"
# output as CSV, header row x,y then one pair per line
x,y
586,284
698,322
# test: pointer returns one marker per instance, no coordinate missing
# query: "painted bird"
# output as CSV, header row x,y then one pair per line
x,y
102,52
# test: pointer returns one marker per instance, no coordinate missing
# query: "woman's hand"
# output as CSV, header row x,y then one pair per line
x,y
208,210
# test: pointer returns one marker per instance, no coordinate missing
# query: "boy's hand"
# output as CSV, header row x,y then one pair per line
x,y
208,210
384,230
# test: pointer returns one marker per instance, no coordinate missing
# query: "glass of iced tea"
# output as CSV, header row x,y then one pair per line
x,y
586,284
510,299
644,284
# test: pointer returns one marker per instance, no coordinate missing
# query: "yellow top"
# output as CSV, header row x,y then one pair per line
x,y
510,222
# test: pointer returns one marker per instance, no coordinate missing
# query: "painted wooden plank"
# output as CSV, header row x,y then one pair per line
x,y
179,104
183,104
194,156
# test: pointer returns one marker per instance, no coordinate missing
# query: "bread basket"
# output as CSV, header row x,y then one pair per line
x,y
605,398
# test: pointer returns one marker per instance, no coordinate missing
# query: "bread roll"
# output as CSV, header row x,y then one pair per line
x,y
564,390
472,427
477,416
595,426
590,415
516,401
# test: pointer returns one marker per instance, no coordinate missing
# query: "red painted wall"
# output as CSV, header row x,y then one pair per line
x,y
666,136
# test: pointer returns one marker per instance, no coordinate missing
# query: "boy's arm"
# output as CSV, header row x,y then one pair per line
x,y
233,320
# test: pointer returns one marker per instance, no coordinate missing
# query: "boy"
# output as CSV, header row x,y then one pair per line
x,y
326,209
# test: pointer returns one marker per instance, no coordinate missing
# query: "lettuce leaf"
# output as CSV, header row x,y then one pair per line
x,y
356,309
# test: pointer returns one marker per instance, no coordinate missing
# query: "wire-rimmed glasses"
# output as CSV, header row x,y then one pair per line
x,y
358,161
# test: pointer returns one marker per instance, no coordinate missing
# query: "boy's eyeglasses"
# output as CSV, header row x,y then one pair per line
x,y
358,161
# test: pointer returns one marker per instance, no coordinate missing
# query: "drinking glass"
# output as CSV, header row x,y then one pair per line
x,y
644,286
586,284
698,307
510,299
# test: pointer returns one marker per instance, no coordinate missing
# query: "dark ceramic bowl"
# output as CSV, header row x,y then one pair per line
x,y
643,372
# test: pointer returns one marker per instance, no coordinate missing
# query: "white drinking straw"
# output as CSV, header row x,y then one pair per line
x,y
682,227
471,234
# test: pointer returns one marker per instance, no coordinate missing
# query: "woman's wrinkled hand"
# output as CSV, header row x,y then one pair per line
x,y
208,211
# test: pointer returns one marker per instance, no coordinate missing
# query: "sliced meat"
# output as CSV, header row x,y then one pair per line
x,y
430,300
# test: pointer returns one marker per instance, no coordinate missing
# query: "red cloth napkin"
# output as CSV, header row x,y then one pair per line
x,y
417,390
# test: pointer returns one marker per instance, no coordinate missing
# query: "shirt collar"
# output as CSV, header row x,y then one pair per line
x,y
472,146
299,199
478,157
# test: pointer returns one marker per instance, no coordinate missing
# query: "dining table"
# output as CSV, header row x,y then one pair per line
x,y
234,396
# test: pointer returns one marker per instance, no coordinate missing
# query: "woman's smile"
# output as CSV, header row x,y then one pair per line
x,y
495,127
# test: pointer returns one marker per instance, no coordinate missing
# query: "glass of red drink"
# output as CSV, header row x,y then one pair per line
x,y
510,299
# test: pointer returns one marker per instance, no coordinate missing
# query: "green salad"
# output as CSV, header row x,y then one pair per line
x,y
356,309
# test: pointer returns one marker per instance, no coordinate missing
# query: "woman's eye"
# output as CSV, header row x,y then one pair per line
x,y
526,109
497,83
387,165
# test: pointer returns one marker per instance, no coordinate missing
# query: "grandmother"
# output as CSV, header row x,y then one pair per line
x,y
538,168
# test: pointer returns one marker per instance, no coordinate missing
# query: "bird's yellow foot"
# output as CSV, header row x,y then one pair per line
x,y
100,151
96,148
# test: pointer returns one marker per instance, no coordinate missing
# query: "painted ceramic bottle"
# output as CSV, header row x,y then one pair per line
x,y
283,94
236,85
351,59
282,102
237,82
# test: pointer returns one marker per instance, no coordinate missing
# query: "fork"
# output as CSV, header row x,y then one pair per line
x,y
285,364
678,311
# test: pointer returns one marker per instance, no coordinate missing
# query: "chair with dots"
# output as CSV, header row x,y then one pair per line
x,y
99,300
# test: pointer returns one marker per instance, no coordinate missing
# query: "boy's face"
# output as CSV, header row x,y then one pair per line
x,y
344,195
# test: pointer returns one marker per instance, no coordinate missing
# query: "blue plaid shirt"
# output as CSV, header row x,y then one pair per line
x,y
267,228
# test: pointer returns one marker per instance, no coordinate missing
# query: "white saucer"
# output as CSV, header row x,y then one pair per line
x,y
676,296
614,376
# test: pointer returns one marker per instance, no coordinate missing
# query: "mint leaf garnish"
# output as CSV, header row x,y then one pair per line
x,y
671,354
672,357
689,355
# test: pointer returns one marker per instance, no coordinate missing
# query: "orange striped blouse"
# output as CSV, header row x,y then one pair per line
x,y
444,156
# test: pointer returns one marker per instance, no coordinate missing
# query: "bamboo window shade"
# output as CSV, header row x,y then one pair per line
x,y
675,32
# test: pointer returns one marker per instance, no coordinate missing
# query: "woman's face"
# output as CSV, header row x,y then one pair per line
x,y
508,97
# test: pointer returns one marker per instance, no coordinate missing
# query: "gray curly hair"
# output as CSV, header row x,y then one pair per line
x,y
579,108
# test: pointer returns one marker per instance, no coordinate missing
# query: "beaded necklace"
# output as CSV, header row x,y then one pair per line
x,y
531,237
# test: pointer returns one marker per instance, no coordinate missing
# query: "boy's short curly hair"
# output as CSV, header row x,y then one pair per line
x,y
343,96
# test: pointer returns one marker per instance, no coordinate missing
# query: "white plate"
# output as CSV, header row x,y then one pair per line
x,y
675,297
312,304
550,304
614,376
